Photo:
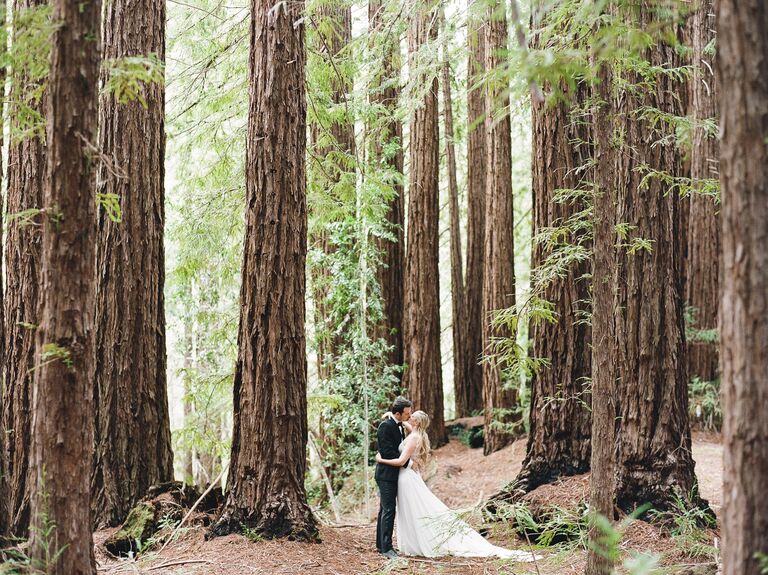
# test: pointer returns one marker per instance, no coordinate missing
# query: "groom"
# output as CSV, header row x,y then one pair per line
x,y
388,437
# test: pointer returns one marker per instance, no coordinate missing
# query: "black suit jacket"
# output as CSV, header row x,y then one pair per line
x,y
388,438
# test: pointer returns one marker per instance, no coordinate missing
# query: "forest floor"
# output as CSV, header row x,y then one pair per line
x,y
463,479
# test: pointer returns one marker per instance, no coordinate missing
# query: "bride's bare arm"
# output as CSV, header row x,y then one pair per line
x,y
408,450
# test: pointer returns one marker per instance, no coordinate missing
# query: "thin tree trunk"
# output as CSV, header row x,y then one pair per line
x,y
604,350
386,93
459,324
3,489
560,417
268,462
26,177
421,334
133,436
702,292
742,67
499,395
62,401
469,388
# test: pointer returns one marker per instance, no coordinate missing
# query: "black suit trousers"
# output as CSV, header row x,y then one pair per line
x,y
386,521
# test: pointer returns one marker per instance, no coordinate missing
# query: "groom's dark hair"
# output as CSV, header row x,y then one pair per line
x,y
400,404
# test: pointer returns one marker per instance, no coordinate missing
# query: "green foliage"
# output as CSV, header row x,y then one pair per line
x,y
704,403
762,559
28,59
17,562
207,92
111,205
129,77
690,529
51,352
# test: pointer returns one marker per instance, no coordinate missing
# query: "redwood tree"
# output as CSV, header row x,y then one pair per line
x,y
421,333
385,92
132,432
499,264
653,445
560,418
62,402
469,384
4,502
26,177
268,460
742,66
702,289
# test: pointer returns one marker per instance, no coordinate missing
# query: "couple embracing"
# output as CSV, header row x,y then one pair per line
x,y
425,526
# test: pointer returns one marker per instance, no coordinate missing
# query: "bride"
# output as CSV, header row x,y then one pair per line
x,y
425,526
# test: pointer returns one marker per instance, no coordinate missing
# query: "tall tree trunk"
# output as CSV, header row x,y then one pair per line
x,y
702,289
133,435
604,349
459,324
421,333
469,388
62,398
499,264
654,462
386,92
742,67
560,417
269,440
3,489
26,177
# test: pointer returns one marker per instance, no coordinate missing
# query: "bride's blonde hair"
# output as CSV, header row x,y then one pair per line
x,y
423,446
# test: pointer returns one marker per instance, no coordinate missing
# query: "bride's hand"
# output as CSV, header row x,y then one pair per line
x,y
386,415
378,457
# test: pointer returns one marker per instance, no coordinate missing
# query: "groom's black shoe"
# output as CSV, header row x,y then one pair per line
x,y
392,554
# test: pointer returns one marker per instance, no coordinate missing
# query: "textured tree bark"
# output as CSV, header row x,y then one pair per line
x,y
62,398
3,488
742,67
702,289
266,488
132,432
654,462
560,417
499,251
469,388
26,176
386,93
459,323
604,349
421,324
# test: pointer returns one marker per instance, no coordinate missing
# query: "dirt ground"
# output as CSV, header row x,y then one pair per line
x,y
464,477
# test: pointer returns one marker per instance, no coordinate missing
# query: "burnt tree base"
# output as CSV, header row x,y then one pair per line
x,y
280,519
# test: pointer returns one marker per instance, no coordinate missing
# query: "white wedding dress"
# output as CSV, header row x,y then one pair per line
x,y
427,528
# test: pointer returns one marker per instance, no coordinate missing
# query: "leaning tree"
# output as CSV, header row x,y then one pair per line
x,y
268,460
